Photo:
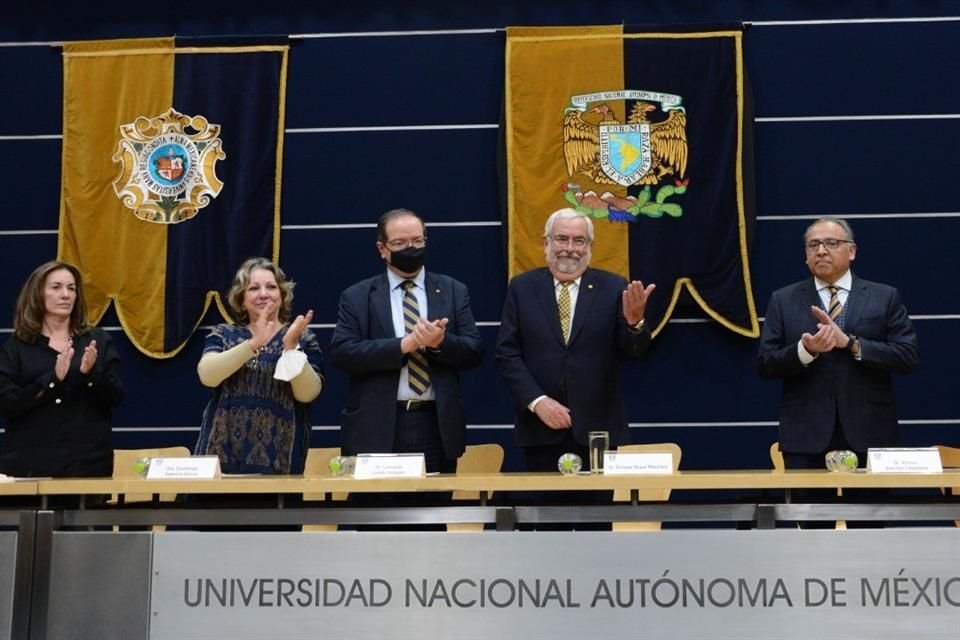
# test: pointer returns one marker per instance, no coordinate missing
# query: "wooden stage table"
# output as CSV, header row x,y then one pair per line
x,y
48,526
764,509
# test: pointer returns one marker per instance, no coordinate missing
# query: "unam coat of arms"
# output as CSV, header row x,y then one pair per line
x,y
638,153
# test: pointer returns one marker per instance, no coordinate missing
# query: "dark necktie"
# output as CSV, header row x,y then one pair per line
x,y
418,371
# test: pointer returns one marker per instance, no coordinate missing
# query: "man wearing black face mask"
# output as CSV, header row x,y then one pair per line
x,y
403,336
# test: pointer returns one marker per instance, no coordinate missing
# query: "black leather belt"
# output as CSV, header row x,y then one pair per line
x,y
417,405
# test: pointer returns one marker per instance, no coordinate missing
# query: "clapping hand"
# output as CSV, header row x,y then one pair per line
x,y
63,361
829,335
263,329
89,358
292,337
430,333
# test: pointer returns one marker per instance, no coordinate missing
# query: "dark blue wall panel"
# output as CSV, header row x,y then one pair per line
x,y
854,69
31,170
353,177
857,167
395,104
396,81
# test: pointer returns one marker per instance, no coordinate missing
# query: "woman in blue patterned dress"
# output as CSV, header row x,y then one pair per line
x,y
264,371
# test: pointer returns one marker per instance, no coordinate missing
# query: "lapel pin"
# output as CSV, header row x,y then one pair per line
x,y
589,286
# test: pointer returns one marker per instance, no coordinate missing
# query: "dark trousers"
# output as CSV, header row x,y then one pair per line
x,y
543,458
416,431
419,432
838,442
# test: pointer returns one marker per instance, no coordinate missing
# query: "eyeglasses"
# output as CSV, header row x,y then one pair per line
x,y
812,246
577,241
400,245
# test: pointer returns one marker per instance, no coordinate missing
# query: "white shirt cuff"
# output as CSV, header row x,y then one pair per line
x,y
290,365
533,405
805,356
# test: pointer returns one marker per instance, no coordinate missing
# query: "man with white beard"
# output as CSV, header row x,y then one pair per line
x,y
562,334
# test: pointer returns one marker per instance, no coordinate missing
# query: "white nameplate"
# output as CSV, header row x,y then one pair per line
x,y
628,464
904,460
389,465
192,468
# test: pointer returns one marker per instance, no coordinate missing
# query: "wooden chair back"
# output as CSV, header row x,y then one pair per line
x,y
646,495
317,465
477,458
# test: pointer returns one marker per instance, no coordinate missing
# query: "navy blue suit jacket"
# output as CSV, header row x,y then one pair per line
x,y
584,374
835,385
364,345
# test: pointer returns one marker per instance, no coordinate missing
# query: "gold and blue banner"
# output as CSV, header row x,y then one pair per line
x,y
646,131
171,173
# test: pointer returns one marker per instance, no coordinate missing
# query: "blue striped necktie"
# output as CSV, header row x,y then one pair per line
x,y
418,371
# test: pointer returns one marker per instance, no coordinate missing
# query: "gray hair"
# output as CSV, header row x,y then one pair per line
x,y
566,214
840,222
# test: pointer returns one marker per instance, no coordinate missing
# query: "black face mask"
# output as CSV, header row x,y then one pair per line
x,y
408,260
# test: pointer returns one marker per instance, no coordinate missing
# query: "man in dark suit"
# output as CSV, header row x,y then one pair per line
x,y
403,336
834,340
563,332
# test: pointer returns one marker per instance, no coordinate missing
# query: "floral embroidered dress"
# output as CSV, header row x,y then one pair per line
x,y
252,422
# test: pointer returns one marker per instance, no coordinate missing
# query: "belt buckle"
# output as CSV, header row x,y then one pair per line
x,y
411,403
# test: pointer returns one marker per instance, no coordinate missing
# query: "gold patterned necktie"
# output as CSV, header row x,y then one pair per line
x,y
834,307
418,371
563,304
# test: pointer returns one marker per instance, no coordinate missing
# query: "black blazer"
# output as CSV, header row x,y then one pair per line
x,y
364,345
584,375
58,428
835,385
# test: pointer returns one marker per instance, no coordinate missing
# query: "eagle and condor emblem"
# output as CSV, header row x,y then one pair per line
x,y
168,166
639,154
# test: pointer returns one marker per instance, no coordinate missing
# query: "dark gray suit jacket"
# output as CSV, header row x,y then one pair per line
x,y
364,345
835,385
584,374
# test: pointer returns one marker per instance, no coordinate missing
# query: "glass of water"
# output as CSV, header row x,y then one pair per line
x,y
598,442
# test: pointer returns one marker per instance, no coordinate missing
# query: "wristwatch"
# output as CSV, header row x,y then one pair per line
x,y
853,345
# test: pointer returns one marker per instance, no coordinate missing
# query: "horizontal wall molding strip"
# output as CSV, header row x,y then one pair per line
x,y
474,126
52,136
394,34
507,427
497,223
850,21
863,216
411,127
373,225
496,323
854,118
496,30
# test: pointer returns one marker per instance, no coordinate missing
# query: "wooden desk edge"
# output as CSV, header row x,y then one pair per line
x,y
683,480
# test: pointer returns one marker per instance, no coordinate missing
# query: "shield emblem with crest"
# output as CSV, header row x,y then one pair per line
x,y
625,152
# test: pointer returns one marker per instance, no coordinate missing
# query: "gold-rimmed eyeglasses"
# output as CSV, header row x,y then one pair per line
x,y
400,245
